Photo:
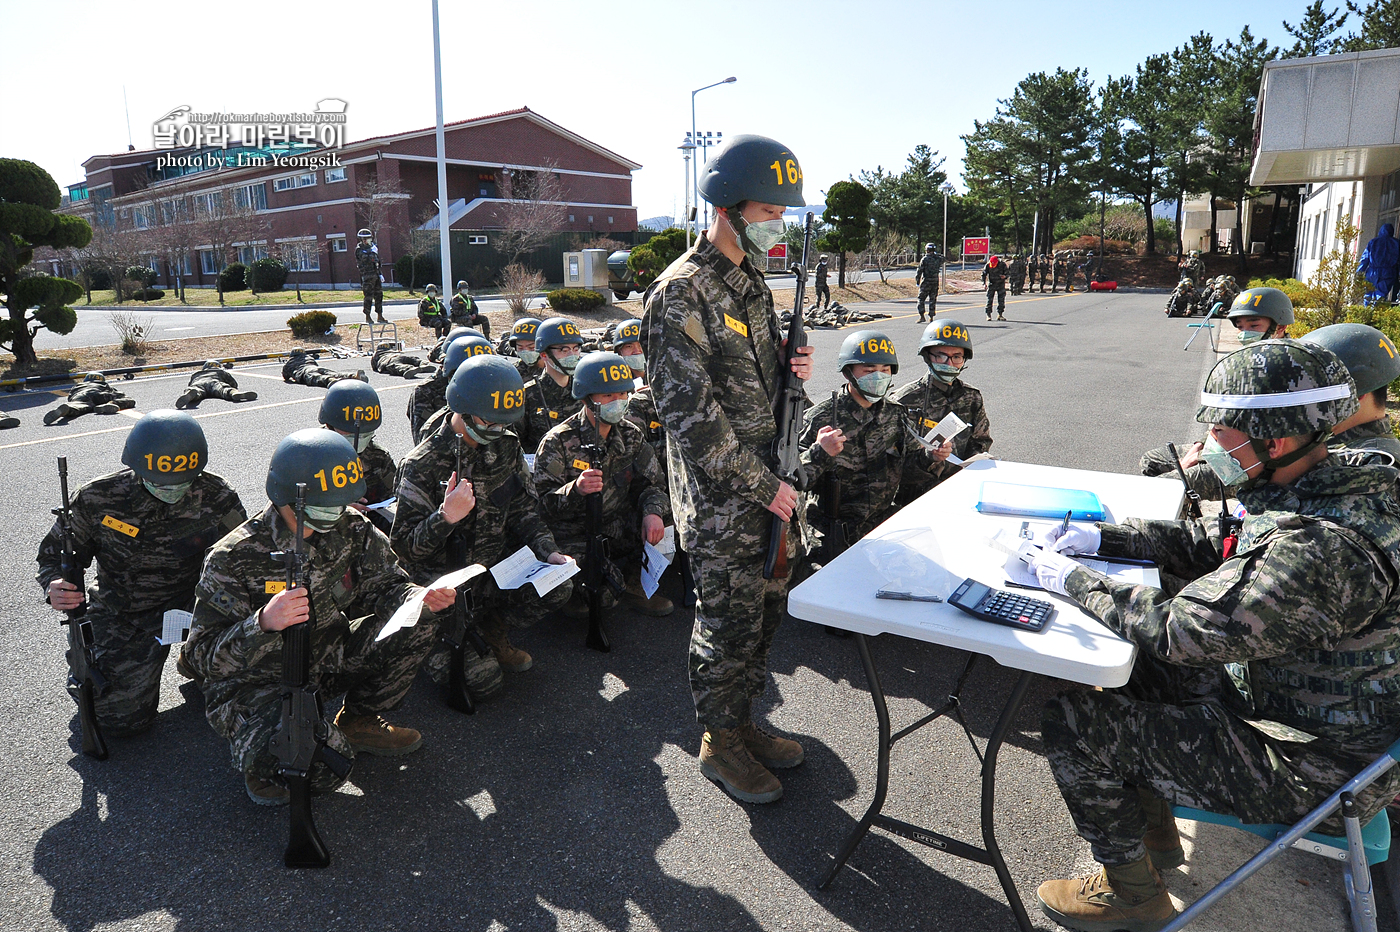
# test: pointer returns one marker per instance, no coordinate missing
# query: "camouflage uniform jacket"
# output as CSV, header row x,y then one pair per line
x,y
463,310
715,374
367,262
1304,613
297,363
996,273
641,410
348,565
631,479
381,475
927,401
1373,436
429,306
928,269
148,553
506,516
212,374
94,393
868,467
547,404
426,398
1193,268
386,354
822,271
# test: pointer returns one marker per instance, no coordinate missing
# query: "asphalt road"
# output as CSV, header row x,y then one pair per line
x,y
573,801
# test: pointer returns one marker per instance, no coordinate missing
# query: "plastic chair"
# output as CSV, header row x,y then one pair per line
x,y
1357,850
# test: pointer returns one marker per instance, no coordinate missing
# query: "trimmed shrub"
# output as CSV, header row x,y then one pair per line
x,y
95,278
268,274
148,294
142,274
573,300
311,323
651,258
234,277
416,271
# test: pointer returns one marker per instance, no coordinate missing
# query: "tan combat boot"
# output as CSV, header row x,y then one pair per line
x,y
769,750
725,759
370,734
1131,898
264,791
1162,840
658,606
510,657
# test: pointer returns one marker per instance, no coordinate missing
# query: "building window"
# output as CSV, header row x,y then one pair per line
x,y
284,184
252,253
207,263
571,218
184,265
335,174
609,221
306,180
143,218
476,240
590,218
337,244
251,195
301,256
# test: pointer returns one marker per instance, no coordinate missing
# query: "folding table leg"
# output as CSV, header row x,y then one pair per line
x,y
989,776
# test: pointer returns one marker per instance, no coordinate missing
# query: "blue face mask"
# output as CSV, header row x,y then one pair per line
x,y
1225,466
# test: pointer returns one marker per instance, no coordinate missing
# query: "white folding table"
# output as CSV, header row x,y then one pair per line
x,y
937,541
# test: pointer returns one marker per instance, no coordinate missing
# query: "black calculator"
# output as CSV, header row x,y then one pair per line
x,y
1003,608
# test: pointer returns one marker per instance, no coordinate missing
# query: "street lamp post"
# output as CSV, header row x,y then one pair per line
x,y
703,140
686,148
696,176
947,189
444,237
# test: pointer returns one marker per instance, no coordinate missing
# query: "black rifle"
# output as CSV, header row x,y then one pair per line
x,y
1192,495
598,570
300,740
84,679
788,411
836,536
459,630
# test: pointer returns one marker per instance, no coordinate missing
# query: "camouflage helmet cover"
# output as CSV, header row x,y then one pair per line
x,y
1278,388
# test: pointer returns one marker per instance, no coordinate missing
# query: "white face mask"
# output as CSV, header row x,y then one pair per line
x,y
758,236
1222,463
170,494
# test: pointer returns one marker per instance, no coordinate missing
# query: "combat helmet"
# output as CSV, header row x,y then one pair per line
x,y
928,247
466,346
95,376
946,332
430,289
1263,302
488,387
743,170
1275,389
463,284
557,331
602,373
212,364
352,407
324,461
364,233
629,331
867,348
166,448
524,327
1368,354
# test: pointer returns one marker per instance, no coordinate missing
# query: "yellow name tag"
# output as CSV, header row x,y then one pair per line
x,y
127,529
580,464
273,587
655,424
738,326
554,414
930,424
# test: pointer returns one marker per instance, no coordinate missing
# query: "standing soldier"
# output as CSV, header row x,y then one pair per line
x,y
549,400
1061,267
994,280
427,403
1018,274
1045,269
371,281
1193,268
716,354
463,312
431,313
620,465
212,380
465,497
352,409
947,348
93,395
389,360
148,527
823,270
242,604
1032,270
927,278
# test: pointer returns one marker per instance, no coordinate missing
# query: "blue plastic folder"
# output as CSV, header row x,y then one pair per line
x,y
1004,498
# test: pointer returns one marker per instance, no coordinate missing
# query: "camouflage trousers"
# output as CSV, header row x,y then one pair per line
x,y
996,290
399,364
374,295
823,289
1168,732
736,618
373,676
316,377
127,654
211,390
928,293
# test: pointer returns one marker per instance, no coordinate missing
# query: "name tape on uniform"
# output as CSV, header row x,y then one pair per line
x,y
130,530
738,326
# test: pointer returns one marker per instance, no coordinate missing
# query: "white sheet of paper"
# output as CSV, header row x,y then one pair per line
x,y
946,429
385,505
530,461
1021,574
521,567
412,608
175,626
655,560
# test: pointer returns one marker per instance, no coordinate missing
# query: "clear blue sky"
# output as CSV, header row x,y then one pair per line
x,y
846,85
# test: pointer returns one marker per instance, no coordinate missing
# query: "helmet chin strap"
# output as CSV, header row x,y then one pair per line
x,y
1261,451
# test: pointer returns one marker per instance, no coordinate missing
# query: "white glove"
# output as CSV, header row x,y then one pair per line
x,y
1052,569
1078,539
374,248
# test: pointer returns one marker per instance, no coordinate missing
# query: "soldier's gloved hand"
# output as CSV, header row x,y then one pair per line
x,y
1052,569
64,596
653,529
784,502
288,607
439,599
832,440
589,481
459,500
1078,539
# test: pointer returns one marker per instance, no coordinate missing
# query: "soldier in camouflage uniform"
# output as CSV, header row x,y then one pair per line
x,y
242,604
994,280
519,344
367,262
1263,685
462,311
1373,362
430,398
1059,268
352,409
212,381
301,368
946,346
549,399
1017,269
389,360
927,276
822,270
598,450
1046,267
1032,270
715,351
148,529
464,497
93,395
431,312
1192,267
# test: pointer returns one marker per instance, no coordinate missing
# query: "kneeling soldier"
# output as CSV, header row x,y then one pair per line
x,y
352,410
465,497
212,381
548,398
243,604
423,420
597,450
148,527
94,395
